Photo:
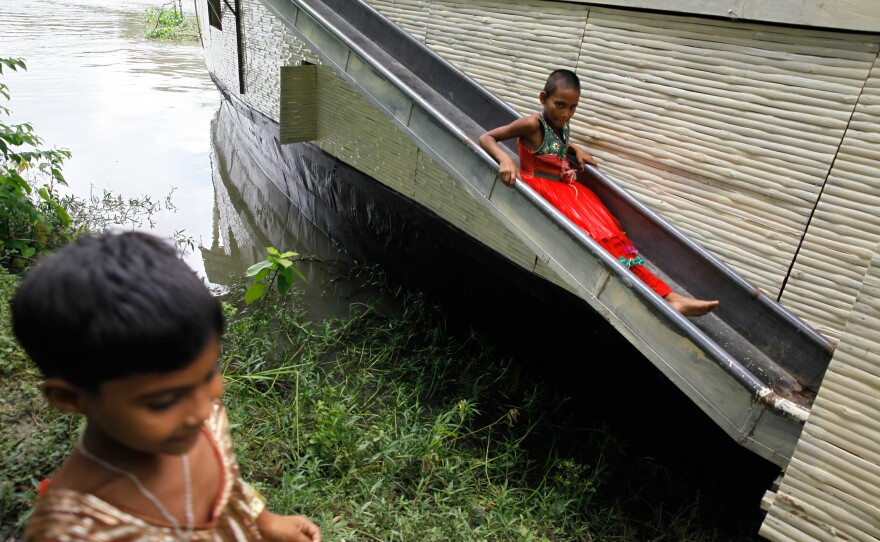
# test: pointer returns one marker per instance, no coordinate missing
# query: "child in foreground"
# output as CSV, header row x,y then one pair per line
x,y
543,142
127,335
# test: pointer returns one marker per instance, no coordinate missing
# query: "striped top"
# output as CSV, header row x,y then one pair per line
x,y
64,514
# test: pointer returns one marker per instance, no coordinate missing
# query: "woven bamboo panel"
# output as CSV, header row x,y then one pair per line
x,y
843,232
220,46
298,118
411,15
727,129
831,488
508,47
262,54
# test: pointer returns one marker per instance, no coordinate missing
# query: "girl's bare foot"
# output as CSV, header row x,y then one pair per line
x,y
689,306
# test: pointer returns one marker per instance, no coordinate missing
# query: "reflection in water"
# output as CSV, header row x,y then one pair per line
x,y
252,213
134,112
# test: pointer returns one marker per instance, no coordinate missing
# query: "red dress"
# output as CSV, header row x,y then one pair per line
x,y
548,172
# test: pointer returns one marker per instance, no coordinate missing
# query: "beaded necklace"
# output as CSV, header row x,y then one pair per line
x,y
190,522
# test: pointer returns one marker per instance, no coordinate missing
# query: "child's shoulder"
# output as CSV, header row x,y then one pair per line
x,y
66,514
532,120
529,124
76,474
218,424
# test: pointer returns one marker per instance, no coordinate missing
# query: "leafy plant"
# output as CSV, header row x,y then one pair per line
x,y
277,269
169,23
32,217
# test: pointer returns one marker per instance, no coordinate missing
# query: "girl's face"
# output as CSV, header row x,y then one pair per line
x,y
560,106
157,412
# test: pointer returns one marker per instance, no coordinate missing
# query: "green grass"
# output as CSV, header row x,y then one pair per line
x,y
379,426
382,427
34,439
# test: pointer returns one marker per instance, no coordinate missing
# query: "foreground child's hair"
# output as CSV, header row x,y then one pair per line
x,y
111,306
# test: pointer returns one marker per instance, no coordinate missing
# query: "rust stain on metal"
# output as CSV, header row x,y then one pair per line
x,y
783,405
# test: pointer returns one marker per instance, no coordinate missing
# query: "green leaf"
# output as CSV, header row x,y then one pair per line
x,y
262,274
12,63
255,292
284,262
257,267
273,251
289,254
285,281
62,213
56,173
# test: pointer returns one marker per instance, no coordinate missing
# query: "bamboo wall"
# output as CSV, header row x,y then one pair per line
x,y
732,131
831,488
861,15
844,230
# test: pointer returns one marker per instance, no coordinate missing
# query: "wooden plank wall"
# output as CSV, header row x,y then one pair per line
x,y
728,129
831,488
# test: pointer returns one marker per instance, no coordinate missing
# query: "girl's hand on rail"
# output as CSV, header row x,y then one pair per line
x,y
507,171
584,158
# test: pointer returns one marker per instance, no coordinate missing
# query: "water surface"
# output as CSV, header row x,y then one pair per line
x,y
134,112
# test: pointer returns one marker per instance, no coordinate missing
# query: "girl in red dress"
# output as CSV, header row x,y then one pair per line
x,y
542,142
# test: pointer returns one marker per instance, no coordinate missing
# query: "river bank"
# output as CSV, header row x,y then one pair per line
x,y
392,425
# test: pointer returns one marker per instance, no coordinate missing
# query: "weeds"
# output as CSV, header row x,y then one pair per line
x,y
31,217
380,426
277,269
34,439
384,428
168,22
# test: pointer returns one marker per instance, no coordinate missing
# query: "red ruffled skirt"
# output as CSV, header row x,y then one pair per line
x,y
586,210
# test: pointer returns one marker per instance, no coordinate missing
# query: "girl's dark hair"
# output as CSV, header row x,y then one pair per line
x,y
563,79
111,306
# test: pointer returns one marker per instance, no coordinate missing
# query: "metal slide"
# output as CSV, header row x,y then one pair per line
x,y
751,366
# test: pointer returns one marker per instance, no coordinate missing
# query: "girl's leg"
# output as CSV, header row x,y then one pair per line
x,y
625,252
689,306
652,280
587,211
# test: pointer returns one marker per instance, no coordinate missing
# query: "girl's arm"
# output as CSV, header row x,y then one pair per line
x,y
524,127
